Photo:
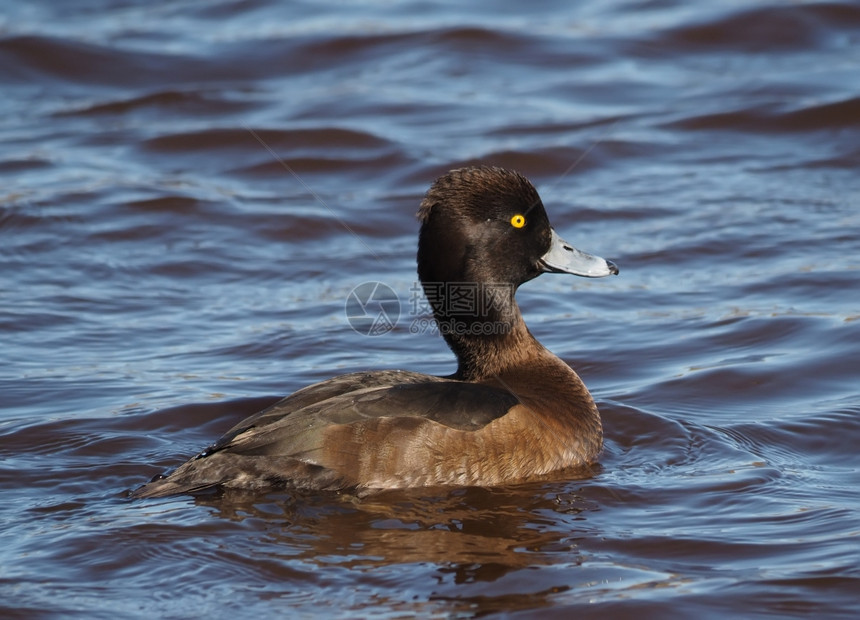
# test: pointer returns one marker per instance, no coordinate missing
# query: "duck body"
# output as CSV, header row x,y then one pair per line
x,y
512,411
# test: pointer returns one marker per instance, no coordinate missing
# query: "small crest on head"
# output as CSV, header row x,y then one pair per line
x,y
479,192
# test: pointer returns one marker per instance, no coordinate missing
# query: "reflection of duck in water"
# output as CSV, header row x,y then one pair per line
x,y
512,411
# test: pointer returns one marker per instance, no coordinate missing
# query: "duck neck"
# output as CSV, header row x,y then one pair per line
x,y
489,336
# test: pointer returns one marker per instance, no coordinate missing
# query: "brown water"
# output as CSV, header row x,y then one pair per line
x,y
191,190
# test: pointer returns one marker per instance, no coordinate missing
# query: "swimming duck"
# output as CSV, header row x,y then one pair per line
x,y
512,411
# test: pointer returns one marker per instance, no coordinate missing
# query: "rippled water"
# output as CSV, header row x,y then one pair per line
x,y
191,190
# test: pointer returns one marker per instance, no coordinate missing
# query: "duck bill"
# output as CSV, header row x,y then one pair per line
x,y
564,258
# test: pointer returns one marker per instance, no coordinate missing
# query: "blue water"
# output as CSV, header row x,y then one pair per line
x,y
189,192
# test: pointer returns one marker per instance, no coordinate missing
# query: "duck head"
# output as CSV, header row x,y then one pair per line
x,y
484,231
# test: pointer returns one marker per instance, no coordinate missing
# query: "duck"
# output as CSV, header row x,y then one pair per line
x,y
512,411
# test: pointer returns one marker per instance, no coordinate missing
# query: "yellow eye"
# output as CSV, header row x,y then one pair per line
x,y
518,221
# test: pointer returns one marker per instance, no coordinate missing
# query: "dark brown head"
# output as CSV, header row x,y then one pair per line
x,y
487,228
469,233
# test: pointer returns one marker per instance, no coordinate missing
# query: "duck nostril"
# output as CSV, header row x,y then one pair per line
x,y
568,248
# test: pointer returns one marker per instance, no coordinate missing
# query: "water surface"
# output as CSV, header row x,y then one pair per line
x,y
189,191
